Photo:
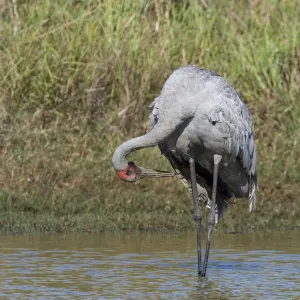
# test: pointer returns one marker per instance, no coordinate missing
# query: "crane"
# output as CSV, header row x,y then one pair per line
x,y
205,130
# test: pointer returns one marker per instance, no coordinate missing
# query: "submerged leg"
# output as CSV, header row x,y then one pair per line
x,y
197,212
211,214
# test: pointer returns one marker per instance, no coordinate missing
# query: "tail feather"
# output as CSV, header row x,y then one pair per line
x,y
252,201
252,194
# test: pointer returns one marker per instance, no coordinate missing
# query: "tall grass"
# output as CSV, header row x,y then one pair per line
x,y
77,77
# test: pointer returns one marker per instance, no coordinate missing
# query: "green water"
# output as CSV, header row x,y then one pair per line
x,y
149,266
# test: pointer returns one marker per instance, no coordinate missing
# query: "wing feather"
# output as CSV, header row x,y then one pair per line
x,y
238,120
240,124
246,147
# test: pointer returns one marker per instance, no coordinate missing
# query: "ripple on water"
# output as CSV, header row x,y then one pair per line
x,y
141,266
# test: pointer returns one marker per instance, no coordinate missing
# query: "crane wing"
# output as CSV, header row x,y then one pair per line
x,y
240,126
226,106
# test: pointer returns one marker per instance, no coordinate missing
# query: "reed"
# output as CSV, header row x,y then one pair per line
x,y
77,77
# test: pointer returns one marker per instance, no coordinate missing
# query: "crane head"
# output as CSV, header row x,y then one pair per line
x,y
133,173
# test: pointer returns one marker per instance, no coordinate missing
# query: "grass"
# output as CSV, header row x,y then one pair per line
x,y
76,80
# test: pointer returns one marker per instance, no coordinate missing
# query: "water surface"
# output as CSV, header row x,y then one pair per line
x,y
149,266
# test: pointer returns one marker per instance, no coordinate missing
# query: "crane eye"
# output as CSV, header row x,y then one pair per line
x,y
213,122
129,172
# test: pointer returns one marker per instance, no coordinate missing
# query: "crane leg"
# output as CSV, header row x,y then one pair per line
x,y
197,212
211,214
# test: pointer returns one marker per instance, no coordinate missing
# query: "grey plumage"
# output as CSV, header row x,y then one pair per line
x,y
204,129
208,116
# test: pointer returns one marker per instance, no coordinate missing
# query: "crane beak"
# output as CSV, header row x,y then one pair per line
x,y
150,173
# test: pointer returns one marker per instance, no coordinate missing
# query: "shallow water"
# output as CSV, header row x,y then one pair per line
x,y
149,266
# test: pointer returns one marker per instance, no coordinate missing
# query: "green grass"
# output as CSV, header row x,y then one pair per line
x,y
77,77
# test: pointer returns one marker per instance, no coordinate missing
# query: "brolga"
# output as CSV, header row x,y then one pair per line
x,y
205,130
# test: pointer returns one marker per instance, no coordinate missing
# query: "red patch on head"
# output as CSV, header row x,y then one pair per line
x,y
122,174
130,174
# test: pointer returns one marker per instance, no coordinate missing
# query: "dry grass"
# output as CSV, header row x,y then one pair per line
x,y
77,78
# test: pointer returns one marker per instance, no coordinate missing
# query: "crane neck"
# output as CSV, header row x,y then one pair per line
x,y
151,139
